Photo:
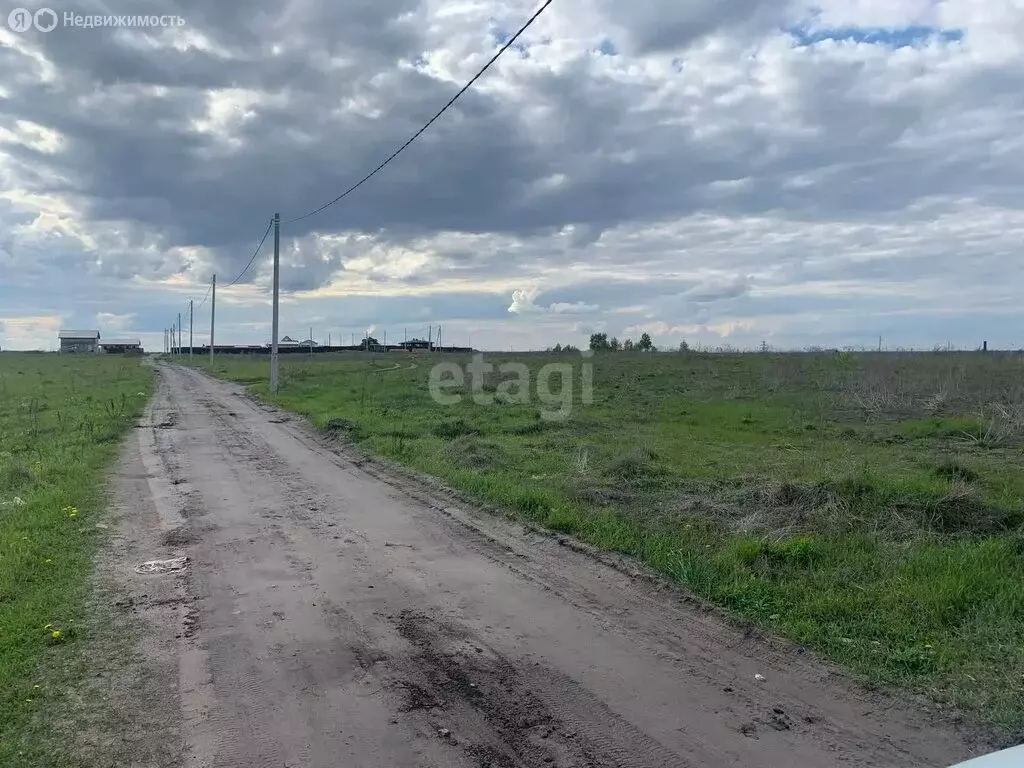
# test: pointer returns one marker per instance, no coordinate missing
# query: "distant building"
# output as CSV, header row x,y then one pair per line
x,y
287,341
79,341
122,347
416,344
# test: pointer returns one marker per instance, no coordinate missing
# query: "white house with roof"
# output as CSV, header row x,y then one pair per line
x,y
79,341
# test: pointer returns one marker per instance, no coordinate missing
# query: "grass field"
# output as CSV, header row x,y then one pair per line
x,y
868,506
61,421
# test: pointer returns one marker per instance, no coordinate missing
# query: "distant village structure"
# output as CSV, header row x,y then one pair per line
x,y
79,342
122,347
88,343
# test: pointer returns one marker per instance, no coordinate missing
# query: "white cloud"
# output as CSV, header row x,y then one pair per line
x,y
108,322
523,301
29,332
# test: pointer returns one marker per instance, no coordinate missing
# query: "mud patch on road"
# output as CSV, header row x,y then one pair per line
x,y
181,536
459,674
492,707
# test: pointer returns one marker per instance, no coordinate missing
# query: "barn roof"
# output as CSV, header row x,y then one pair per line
x,y
78,334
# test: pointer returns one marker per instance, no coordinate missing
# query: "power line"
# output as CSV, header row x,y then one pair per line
x,y
466,87
205,297
254,255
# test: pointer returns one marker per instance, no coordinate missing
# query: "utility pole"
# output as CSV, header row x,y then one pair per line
x,y
179,333
385,341
213,315
191,313
430,338
277,281
353,339
311,342
439,347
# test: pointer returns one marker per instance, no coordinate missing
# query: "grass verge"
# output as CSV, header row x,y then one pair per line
x,y
62,419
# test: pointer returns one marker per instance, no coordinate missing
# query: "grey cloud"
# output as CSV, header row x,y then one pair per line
x,y
653,25
716,290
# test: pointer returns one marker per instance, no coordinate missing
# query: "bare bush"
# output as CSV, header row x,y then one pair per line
x,y
1000,424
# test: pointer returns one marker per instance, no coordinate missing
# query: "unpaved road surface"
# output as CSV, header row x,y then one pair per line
x,y
337,615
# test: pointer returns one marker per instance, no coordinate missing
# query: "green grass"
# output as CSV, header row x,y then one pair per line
x,y
61,422
867,506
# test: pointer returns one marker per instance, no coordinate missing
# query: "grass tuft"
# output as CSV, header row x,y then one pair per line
x,y
452,429
954,471
16,476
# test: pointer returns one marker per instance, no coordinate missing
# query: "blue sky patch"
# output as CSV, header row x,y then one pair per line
x,y
890,37
501,37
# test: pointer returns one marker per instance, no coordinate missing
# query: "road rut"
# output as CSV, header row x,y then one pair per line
x,y
337,614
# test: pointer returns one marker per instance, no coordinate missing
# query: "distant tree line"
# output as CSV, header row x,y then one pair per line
x,y
599,342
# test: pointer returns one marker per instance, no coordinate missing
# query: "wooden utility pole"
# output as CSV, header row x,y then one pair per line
x,y
191,312
277,282
213,314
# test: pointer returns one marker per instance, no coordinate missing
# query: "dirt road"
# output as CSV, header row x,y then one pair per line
x,y
334,614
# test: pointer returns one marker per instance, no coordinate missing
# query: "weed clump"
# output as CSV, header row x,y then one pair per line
x,y
955,472
962,511
340,426
636,466
15,476
469,452
797,552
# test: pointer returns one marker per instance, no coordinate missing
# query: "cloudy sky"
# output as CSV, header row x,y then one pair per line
x,y
724,171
